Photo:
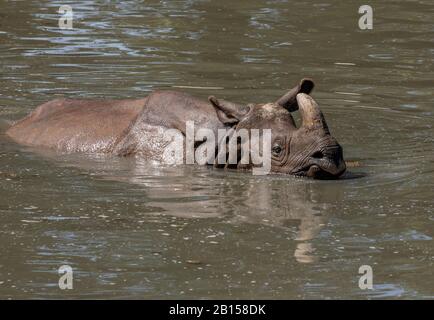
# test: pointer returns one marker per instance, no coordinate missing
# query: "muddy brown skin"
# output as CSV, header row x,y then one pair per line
x,y
135,127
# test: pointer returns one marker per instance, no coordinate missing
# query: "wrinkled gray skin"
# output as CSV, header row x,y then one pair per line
x,y
136,127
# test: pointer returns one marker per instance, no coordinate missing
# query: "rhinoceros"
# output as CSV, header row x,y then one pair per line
x,y
135,127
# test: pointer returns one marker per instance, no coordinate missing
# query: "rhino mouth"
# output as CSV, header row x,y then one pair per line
x,y
317,172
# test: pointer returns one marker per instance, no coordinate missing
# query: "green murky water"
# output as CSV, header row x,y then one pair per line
x,y
129,230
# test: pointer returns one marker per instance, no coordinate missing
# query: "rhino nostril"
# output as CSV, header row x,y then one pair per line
x,y
318,155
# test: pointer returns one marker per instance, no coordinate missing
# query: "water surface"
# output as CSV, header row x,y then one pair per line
x,y
129,230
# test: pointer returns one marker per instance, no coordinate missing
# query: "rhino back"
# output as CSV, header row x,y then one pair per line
x,y
165,109
173,109
77,125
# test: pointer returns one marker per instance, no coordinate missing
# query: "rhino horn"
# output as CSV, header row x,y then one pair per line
x,y
311,115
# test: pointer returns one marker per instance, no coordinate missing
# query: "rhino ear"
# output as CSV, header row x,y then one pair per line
x,y
289,100
228,112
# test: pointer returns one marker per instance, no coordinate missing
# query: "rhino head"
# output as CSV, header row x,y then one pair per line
x,y
309,150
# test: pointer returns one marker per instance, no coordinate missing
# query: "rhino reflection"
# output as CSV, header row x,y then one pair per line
x,y
273,202
200,192
283,203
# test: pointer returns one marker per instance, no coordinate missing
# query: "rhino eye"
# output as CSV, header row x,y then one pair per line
x,y
277,150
